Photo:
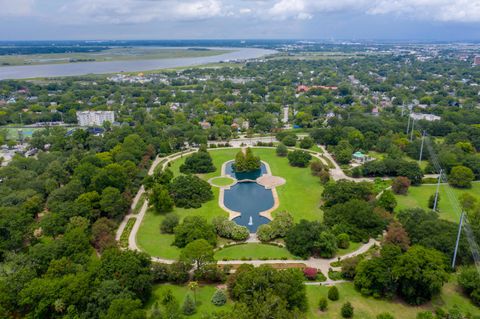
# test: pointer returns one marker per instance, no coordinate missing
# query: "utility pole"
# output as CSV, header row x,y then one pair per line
x,y
413,126
421,148
436,193
458,240
408,125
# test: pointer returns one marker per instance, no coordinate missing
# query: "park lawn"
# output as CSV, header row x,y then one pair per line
x,y
351,248
204,295
317,149
157,244
300,195
418,197
254,251
221,181
369,308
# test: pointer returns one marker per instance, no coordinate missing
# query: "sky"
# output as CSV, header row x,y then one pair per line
x,y
432,20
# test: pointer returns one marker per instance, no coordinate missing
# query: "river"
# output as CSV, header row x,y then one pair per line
x,y
83,68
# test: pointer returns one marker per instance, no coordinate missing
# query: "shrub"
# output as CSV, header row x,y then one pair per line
x,y
264,233
310,273
387,200
169,223
347,310
281,224
461,177
306,143
343,241
357,172
219,298
324,177
179,272
431,201
349,266
425,315
299,158
333,294
189,308
210,273
469,280
316,167
229,229
323,304
281,150
400,185
290,140
385,315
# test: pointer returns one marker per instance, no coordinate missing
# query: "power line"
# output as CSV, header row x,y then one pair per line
x,y
463,223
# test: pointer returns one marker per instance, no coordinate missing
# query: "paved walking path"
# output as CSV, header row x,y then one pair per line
x,y
132,242
322,264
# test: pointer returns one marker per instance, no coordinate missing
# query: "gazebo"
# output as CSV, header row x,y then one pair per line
x,y
359,157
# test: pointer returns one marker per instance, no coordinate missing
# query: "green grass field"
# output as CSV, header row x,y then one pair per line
x,y
221,181
369,308
300,195
254,251
300,184
364,307
204,295
418,197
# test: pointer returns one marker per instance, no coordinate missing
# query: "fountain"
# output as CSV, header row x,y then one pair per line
x,y
250,221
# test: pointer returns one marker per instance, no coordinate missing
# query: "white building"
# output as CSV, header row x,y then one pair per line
x,y
285,114
95,118
426,117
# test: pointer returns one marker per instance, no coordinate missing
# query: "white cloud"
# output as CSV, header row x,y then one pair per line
x,y
140,11
16,7
144,11
441,10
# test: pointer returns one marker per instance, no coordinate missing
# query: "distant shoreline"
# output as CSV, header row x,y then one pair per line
x,y
85,68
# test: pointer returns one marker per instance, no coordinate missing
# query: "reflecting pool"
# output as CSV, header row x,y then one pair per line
x,y
248,198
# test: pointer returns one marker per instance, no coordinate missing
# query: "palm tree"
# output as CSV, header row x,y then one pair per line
x,y
193,285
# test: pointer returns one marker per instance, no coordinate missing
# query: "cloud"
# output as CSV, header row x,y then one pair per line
x,y
439,10
144,11
17,8
139,11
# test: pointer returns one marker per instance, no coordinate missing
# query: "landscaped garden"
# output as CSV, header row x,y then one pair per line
x,y
369,307
152,241
203,295
364,307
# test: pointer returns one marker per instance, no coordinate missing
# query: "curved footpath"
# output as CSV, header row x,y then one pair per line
x,y
322,264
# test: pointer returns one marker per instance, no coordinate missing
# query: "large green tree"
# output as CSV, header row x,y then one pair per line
x,y
190,191
198,252
193,228
420,274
